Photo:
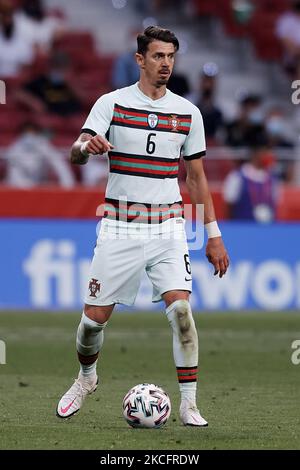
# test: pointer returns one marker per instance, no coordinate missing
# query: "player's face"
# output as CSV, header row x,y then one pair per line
x,y
158,62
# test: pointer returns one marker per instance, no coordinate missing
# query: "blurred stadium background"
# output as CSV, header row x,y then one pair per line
x,y
232,64
236,62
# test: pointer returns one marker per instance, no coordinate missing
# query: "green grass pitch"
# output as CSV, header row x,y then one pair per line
x,y
248,389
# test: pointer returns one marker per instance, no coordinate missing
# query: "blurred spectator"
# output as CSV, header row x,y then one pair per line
x,y
51,92
178,83
126,71
16,49
242,10
288,31
275,128
251,191
248,128
31,158
41,29
204,99
276,139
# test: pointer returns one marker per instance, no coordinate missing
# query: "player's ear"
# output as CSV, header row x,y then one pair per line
x,y
140,59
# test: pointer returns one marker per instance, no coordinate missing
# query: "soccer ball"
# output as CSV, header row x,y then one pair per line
x,y
146,406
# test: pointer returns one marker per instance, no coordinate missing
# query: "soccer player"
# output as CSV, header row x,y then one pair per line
x,y
145,128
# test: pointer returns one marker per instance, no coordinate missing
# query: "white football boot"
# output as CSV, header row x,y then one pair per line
x,y
190,415
73,399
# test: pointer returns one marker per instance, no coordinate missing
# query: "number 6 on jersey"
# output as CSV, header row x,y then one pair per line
x,y
150,147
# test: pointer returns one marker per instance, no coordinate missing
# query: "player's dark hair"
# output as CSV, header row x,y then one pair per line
x,y
155,33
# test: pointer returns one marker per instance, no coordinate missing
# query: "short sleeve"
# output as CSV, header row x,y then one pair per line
x,y
99,119
195,146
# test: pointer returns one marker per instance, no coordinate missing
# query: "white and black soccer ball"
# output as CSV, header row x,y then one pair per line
x,y
146,406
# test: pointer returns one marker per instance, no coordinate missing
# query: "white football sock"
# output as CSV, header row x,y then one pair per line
x,y
88,371
188,391
185,347
89,341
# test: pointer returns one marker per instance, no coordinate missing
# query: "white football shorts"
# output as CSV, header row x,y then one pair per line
x,y
121,256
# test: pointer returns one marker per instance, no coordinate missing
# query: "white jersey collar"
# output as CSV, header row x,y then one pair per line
x,y
149,100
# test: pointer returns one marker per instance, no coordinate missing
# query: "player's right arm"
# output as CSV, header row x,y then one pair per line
x,y
91,140
87,145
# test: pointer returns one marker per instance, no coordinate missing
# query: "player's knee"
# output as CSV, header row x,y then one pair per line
x,y
91,326
97,314
172,296
89,337
181,318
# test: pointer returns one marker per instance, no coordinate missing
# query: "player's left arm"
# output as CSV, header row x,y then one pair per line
x,y
200,194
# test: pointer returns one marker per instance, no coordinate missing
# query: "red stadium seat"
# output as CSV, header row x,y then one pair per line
x,y
262,32
52,122
91,96
2,169
7,138
39,67
217,170
12,83
64,140
231,25
267,47
92,64
272,6
68,127
11,120
93,79
206,7
76,40
289,207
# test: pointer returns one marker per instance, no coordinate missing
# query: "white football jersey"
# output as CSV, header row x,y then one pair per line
x,y
148,136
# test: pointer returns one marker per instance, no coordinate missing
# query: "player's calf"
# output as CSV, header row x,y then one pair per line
x,y
185,351
185,342
89,341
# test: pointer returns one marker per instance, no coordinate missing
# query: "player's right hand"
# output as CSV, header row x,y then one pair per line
x,y
98,145
217,255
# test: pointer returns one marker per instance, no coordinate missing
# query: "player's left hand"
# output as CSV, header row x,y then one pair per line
x,y
217,255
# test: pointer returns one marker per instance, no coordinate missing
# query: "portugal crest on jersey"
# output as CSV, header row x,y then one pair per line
x,y
152,120
174,122
94,287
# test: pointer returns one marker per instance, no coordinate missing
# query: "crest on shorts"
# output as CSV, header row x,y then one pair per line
x,y
152,120
174,122
94,287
